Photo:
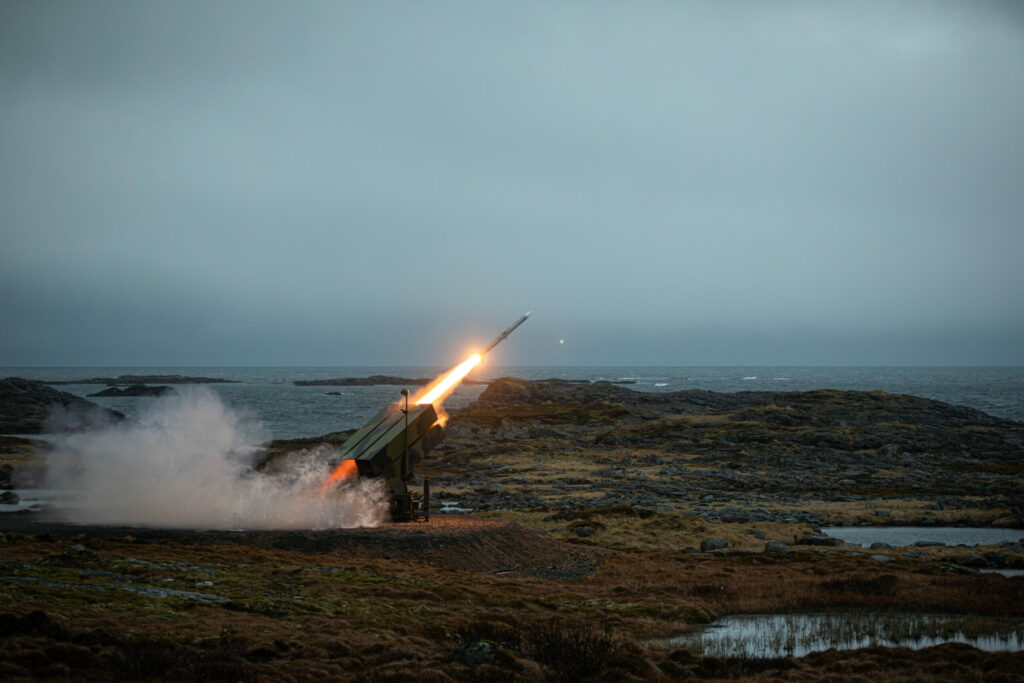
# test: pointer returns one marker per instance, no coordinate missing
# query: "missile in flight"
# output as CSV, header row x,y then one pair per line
x,y
501,337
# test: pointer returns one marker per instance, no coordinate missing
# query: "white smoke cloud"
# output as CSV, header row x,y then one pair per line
x,y
187,463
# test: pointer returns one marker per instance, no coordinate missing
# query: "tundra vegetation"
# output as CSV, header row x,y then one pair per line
x,y
606,522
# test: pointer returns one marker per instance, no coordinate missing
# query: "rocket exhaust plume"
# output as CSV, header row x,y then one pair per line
x,y
448,382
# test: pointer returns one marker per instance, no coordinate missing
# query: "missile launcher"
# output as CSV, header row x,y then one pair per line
x,y
391,443
398,437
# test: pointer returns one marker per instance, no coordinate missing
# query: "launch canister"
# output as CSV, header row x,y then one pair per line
x,y
507,332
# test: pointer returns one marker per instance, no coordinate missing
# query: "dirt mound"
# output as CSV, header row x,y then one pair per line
x,y
454,542
450,541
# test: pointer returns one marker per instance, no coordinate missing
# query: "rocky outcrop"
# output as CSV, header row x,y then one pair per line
x,y
29,407
700,450
136,390
128,380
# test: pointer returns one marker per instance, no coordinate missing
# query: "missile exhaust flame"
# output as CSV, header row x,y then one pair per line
x,y
438,392
341,473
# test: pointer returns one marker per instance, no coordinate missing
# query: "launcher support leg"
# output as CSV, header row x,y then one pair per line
x,y
426,499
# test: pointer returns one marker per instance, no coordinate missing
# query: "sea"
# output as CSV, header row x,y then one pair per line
x,y
267,394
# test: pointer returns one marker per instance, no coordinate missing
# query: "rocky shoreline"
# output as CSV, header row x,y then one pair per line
x,y
29,407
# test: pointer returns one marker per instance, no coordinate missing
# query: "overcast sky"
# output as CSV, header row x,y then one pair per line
x,y
390,183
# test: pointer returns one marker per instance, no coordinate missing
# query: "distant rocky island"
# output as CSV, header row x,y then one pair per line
x,y
372,381
389,380
136,390
129,380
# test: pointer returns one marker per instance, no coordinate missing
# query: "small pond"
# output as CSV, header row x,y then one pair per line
x,y
864,536
449,507
34,499
779,635
1004,572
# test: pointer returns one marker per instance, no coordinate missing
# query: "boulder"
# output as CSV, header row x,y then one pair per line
x,y
995,559
9,498
819,539
776,547
974,560
709,544
734,515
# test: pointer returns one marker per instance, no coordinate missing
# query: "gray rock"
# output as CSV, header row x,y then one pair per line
x,y
994,559
974,560
733,514
584,530
481,652
756,533
776,547
713,544
9,498
882,558
819,539
878,545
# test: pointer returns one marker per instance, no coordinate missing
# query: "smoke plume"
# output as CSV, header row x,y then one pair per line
x,y
187,463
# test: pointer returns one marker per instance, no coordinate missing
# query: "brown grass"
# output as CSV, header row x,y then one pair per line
x,y
310,615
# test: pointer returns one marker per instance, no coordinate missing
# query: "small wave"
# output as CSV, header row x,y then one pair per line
x,y
780,379
747,378
661,384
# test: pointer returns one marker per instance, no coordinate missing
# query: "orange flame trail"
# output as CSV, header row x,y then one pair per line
x,y
448,383
344,470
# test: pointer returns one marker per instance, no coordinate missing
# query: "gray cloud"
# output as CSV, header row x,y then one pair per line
x,y
385,183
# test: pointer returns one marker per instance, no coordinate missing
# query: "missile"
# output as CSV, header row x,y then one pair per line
x,y
507,332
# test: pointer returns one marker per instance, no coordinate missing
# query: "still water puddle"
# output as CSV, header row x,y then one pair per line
x,y
451,507
1005,572
779,635
36,499
864,536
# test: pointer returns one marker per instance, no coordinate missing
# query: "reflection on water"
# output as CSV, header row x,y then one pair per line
x,y
864,536
36,499
1004,572
779,635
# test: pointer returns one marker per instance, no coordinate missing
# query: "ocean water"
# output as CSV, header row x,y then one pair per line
x,y
266,394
